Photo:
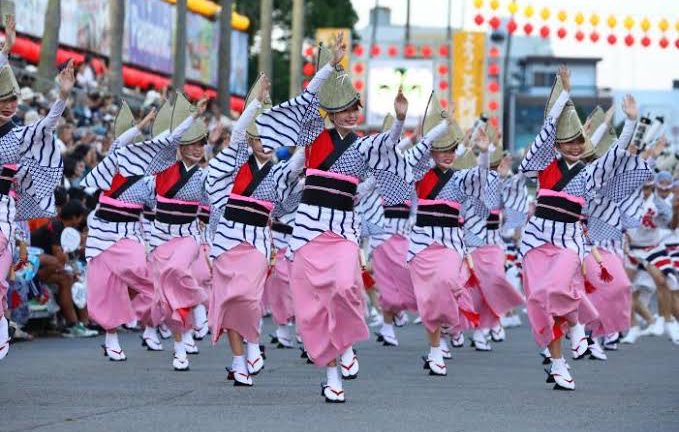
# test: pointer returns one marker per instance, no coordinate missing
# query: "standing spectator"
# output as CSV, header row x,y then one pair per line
x,y
65,139
87,77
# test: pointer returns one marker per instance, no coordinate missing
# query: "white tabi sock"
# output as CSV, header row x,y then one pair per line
x,y
239,364
199,316
435,354
180,350
187,337
253,351
387,330
112,341
332,377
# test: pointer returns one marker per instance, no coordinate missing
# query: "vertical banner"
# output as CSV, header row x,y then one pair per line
x,y
327,36
468,76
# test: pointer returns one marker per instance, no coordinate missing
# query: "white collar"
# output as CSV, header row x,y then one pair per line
x,y
188,167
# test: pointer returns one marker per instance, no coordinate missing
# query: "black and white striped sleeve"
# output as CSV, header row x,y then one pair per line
x,y
152,156
616,175
296,122
286,175
417,157
542,152
625,137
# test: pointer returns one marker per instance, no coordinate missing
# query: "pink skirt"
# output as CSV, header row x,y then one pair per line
x,y
111,276
277,290
327,293
496,295
201,269
555,294
5,264
393,276
613,300
438,275
176,290
237,286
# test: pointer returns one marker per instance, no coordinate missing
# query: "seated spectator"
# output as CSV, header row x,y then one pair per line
x,y
52,267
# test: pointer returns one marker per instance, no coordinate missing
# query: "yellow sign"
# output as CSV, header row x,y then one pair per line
x,y
327,36
468,76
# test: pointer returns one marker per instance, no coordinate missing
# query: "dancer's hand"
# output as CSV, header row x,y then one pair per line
x,y
400,105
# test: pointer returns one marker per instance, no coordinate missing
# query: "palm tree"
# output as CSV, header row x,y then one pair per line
x,y
224,70
117,17
179,75
50,44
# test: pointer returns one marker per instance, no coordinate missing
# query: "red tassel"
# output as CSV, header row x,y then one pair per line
x,y
368,281
473,281
268,272
589,288
605,275
557,332
184,313
473,318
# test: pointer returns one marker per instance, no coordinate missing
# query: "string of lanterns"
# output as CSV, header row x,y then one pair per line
x,y
538,21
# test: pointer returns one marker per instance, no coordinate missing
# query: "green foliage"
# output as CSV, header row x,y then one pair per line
x,y
318,13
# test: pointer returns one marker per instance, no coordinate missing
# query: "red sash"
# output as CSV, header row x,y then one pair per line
x,y
557,175
170,181
432,183
250,176
326,149
120,184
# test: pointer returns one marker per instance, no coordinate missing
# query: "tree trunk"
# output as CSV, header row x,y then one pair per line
x,y
296,47
115,70
179,75
224,79
265,17
50,44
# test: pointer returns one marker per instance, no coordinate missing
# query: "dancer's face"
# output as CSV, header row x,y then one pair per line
x,y
192,153
262,154
8,107
347,119
572,150
444,159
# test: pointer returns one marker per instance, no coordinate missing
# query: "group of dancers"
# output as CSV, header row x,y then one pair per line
x,y
188,246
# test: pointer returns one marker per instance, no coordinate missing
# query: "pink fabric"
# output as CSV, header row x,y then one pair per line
x,y
554,287
496,295
175,201
332,175
425,202
393,276
569,197
201,269
5,264
613,300
327,292
277,290
267,204
176,290
117,203
438,276
237,288
110,276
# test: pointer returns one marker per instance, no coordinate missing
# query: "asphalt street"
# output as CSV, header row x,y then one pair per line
x,y
54,384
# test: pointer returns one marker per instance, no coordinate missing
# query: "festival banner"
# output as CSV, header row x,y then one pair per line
x,y
148,34
468,76
202,40
86,24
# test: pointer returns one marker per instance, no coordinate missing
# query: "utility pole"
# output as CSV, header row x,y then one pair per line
x,y
224,70
117,17
265,18
178,77
296,46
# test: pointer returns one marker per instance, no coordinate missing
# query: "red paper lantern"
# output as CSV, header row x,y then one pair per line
x,y
443,85
443,50
495,23
528,28
561,33
664,43
511,26
495,122
646,41
494,52
308,69
309,51
493,69
392,51
676,43
358,85
426,51
612,39
358,50
443,102
410,50
443,69
493,105
493,87
544,32
629,40
594,37
579,35
375,50
358,68
478,19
